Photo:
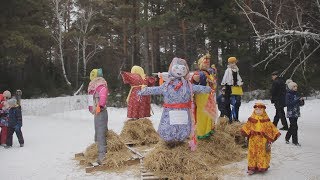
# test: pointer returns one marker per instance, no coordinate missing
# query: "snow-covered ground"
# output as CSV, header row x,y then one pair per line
x,y
55,129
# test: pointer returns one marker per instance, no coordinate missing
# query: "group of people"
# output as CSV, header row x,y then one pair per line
x,y
285,94
261,132
189,108
231,92
10,119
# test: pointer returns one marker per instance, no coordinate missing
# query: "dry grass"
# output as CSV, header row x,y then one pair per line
x,y
233,129
204,163
117,153
140,132
178,162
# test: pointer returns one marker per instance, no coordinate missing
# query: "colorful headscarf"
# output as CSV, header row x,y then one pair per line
x,y
138,70
95,73
184,79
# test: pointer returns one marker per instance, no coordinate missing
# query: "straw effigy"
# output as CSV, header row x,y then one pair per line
x,y
204,163
117,153
140,132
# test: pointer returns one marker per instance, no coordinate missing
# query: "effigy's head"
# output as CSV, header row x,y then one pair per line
x,y
178,68
204,62
95,73
138,70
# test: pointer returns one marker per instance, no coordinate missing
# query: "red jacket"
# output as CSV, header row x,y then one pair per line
x,y
1,100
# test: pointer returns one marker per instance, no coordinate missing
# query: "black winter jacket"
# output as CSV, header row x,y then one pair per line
x,y
278,92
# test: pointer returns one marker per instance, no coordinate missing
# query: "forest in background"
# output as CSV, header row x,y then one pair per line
x,y
48,47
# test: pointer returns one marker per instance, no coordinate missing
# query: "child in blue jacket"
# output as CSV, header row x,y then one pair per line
x,y
293,102
15,123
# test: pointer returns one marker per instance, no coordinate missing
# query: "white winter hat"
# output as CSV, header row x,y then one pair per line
x,y
291,85
7,94
288,81
12,102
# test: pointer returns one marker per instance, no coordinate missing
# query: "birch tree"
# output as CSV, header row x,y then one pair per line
x,y
288,24
88,48
58,34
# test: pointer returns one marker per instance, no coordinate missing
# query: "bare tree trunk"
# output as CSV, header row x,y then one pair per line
x,y
78,60
146,39
84,19
135,44
156,33
152,50
59,37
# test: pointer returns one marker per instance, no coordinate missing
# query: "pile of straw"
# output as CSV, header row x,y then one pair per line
x,y
117,153
204,163
233,129
140,132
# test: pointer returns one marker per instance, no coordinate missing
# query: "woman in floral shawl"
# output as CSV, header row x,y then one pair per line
x,y
261,133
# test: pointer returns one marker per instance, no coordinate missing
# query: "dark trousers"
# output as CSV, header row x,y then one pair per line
x,y
227,104
293,130
10,135
280,115
235,100
236,103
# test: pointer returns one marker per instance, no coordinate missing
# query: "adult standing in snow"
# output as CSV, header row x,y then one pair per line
x,y
15,123
261,133
278,98
233,82
138,107
293,102
97,100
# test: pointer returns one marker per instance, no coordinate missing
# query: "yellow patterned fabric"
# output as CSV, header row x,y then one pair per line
x,y
205,123
204,126
261,132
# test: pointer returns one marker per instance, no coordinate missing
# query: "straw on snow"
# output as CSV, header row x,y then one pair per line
x,y
140,131
179,162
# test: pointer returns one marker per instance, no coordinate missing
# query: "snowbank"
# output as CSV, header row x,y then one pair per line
x,y
47,106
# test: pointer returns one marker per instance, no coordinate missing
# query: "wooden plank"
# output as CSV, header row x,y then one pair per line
x,y
150,177
91,169
131,162
83,162
147,174
136,152
79,155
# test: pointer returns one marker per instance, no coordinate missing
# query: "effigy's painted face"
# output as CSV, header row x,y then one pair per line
x,y
179,70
